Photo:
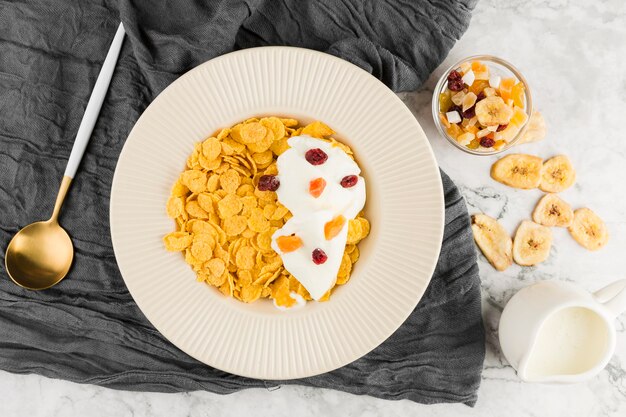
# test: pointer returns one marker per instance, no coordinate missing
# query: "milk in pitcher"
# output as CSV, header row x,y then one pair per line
x,y
571,341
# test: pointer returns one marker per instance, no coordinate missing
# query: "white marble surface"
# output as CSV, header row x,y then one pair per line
x,y
573,55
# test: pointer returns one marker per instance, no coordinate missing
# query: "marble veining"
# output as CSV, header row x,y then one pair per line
x,y
572,53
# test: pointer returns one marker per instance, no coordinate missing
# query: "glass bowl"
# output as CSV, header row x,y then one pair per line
x,y
496,66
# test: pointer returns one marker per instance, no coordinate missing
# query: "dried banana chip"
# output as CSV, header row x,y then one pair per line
x,y
493,111
588,229
557,174
552,211
494,242
535,129
518,171
531,244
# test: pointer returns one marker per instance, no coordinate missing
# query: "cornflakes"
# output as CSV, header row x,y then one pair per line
x,y
225,223
193,209
177,241
229,206
235,225
230,181
205,201
179,190
216,267
211,148
355,231
175,207
194,180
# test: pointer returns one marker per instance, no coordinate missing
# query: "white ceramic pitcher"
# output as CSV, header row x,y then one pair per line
x,y
556,332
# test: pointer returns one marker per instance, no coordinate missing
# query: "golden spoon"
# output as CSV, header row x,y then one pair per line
x,y
40,255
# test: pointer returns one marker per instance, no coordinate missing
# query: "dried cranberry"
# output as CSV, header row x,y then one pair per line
x,y
349,181
480,96
469,113
456,85
501,128
315,156
487,142
319,256
455,81
454,75
268,183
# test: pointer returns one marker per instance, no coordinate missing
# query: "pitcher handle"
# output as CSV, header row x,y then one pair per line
x,y
613,297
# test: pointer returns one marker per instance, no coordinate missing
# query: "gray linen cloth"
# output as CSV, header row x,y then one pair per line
x,y
87,329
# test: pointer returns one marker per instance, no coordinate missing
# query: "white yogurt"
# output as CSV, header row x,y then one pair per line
x,y
310,214
317,279
295,173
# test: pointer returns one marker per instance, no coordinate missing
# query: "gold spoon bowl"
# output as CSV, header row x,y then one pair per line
x,y
40,255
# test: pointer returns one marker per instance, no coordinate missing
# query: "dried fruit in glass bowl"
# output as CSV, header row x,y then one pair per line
x,y
480,109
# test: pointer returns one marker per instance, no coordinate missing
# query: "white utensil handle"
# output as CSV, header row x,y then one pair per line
x,y
94,104
613,296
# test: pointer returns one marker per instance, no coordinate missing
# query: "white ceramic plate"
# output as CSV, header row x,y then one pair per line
x,y
404,204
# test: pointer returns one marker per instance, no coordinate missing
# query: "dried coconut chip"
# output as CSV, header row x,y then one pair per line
x,y
465,138
469,78
483,133
453,117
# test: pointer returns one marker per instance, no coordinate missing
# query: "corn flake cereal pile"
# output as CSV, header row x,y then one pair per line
x,y
225,224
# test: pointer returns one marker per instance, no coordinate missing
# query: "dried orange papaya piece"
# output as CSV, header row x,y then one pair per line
x,y
519,117
481,71
506,88
454,130
333,227
517,94
478,86
288,243
478,66
316,187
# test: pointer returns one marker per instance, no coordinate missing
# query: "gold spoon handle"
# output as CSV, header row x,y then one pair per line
x,y
65,185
